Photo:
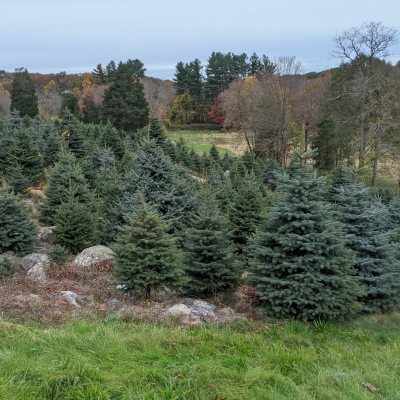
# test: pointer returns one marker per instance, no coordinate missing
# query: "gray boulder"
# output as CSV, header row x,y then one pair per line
x,y
71,298
200,309
37,272
31,260
94,255
114,303
178,310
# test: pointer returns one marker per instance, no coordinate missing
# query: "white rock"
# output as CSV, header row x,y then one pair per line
x,y
178,310
37,272
200,309
31,260
71,298
121,286
94,255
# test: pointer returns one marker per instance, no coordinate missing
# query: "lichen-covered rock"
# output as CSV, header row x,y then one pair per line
x,y
31,260
94,255
114,303
71,298
37,272
178,310
200,309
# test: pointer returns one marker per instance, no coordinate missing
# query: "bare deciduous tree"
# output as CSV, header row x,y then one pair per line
x,y
363,47
159,95
371,39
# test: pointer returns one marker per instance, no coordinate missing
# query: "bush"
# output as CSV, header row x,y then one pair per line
x,y
58,254
7,267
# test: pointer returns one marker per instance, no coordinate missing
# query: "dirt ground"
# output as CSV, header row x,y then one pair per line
x,y
23,299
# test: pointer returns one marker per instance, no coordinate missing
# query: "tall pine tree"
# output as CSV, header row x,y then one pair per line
x,y
23,97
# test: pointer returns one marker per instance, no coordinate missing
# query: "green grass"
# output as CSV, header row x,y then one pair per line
x,y
201,141
126,360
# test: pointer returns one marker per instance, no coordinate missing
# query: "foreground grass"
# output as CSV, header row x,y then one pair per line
x,y
117,360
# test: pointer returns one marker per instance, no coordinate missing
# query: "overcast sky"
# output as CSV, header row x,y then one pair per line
x,y
75,35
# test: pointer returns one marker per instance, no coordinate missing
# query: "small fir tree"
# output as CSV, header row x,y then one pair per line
x,y
226,162
7,267
271,169
110,137
214,155
210,267
170,149
245,213
17,180
52,149
146,255
72,131
156,131
66,171
26,154
17,232
299,260
74,224
126,162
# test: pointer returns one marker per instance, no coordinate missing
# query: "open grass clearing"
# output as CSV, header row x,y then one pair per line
x,y
113,359
201,141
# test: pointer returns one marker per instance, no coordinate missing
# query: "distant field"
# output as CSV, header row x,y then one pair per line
x,y
244,361
201,141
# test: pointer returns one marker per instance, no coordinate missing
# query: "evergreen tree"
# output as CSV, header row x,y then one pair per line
x,y
70,102
146,255
226,162
210,266
72,134
52,148
299,260
24,153
214,155
162,185
156,132
237,173
91,111
126,162
170,149
17,180
269,174
194,161
222,189
325,142
23,97
74,224
250,163
205,163
17,232
375,256
245,213
124,103
7,267
65,172
110,137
